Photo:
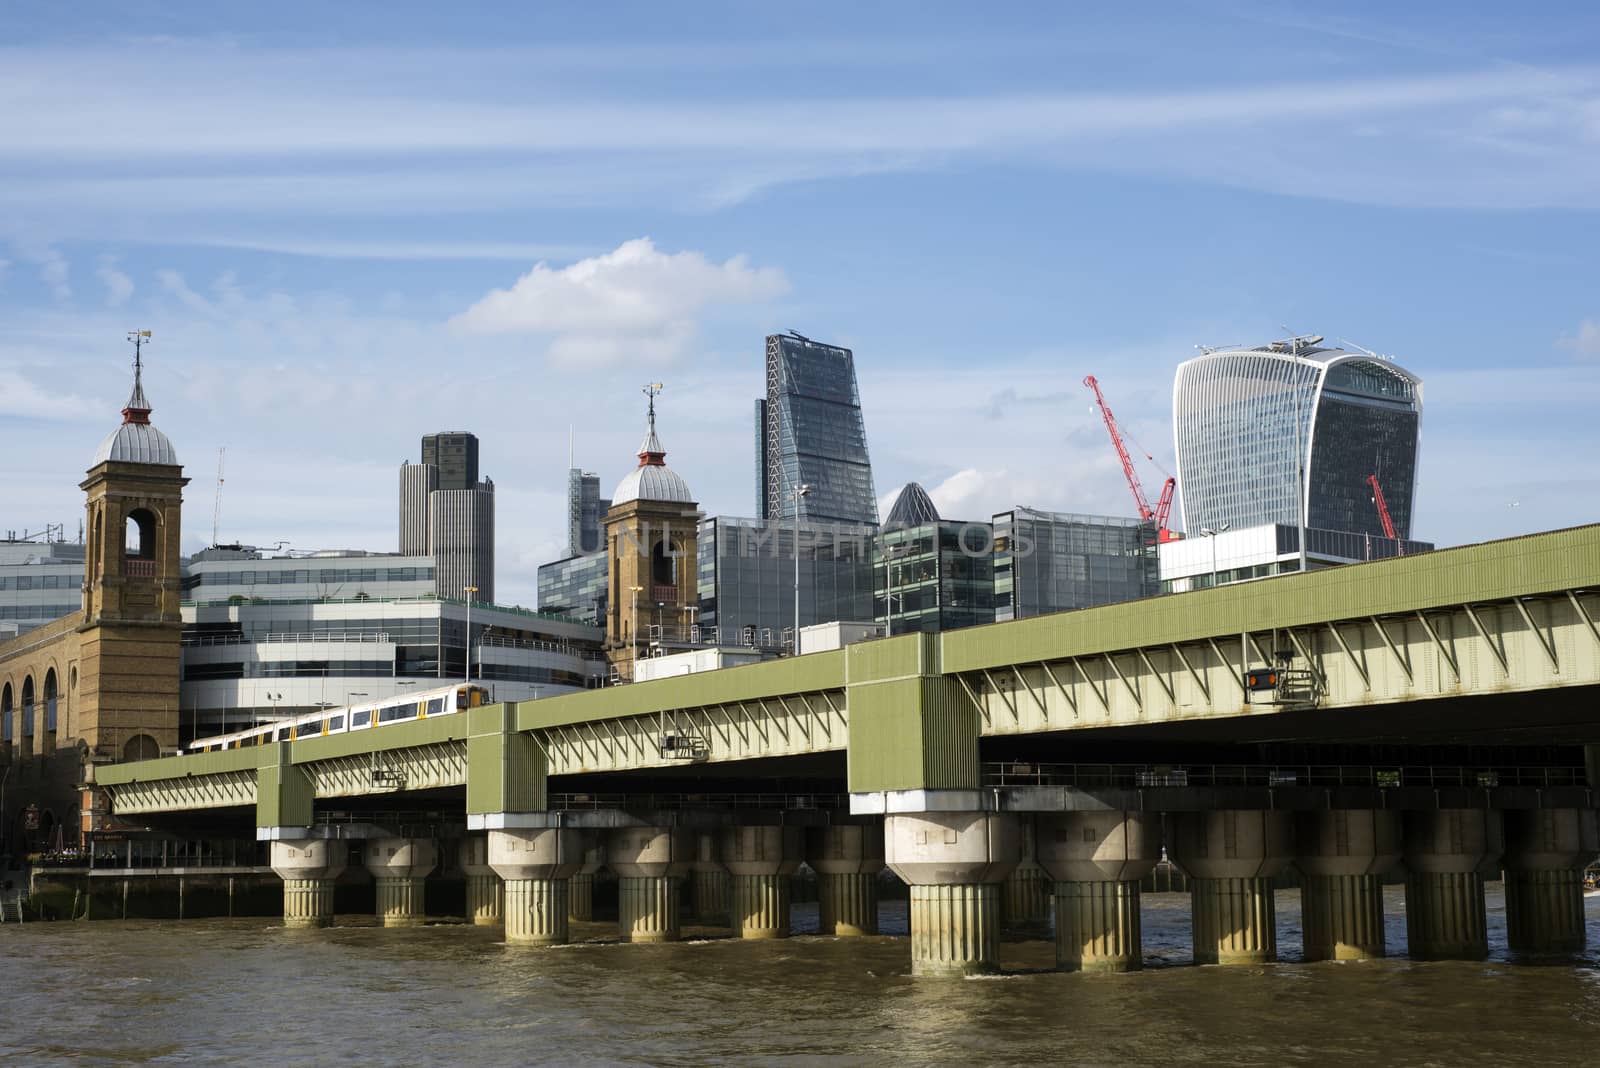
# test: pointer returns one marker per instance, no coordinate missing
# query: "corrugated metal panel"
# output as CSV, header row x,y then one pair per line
x,y
177,767
1538,563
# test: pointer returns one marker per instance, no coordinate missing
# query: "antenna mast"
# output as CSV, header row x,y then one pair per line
x,y
216,507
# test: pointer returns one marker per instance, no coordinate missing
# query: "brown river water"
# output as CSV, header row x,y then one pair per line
x,y
246,991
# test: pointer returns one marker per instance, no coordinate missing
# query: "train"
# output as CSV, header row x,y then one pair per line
x,y
400,708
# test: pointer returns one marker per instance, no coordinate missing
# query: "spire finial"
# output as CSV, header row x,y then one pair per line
x,y
138,408
651,452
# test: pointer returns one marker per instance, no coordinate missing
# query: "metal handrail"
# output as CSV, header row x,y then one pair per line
x,y
1382,776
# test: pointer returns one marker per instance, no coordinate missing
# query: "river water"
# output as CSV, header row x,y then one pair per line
x,y
247,991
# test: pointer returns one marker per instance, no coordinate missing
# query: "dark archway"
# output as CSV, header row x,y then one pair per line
x,y
7,724
141,747
51,694
27,707
141,534
663,565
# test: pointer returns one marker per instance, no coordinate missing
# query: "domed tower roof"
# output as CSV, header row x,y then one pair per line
x,y
912,508
136,441
652,480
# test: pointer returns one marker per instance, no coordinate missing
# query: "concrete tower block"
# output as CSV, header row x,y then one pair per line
x,y
1231,857
580,887
1344,855
761,859
650,863
400,867
1025,897
1444,851
485,892
1546,852
711,890
954,863
847,859
308,868
1097,860
536,864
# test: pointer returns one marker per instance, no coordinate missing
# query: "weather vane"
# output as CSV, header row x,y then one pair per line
x,y
138,337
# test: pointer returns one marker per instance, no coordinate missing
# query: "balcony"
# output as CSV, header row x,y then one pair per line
x,y
664,594
138,567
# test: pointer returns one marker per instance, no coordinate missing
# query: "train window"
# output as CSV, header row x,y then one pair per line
x,y
397,712
336,723
360,719
436,706
283,734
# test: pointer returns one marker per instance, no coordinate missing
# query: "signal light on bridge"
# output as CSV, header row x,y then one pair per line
x,y
1259,679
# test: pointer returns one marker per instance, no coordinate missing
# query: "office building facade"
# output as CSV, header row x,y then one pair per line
x,y
575,588
447,512
1239,555
1289,433
809,432
39,581
1055,561
586,513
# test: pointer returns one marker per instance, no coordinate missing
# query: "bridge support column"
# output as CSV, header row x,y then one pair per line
x,y
710,891
400,868
1343,855
1097,860
1232,857
847,859
1025,902
761,859
308,868
485,891
1546,852
536,864
1444,851
580,888
650,863
954,863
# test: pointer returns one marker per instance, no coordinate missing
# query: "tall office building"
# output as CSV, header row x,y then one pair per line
x,y
447,512
809,432
1289,432
1054,561
586,513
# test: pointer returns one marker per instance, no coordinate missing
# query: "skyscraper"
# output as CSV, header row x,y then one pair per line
x,y
586,512
1290,431
809,432
447,513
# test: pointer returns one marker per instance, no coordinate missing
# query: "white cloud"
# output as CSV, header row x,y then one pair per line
x,y
1586,342
21,398
119,287
173,283
54,269
635,303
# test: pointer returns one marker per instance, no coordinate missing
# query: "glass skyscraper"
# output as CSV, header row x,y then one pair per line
x,y
1263,433
1053,561
809,432
586,513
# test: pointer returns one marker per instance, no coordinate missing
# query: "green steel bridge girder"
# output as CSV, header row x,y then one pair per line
x,y
1510,617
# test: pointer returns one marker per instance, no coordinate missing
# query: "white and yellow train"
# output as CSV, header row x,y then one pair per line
x,y
398,709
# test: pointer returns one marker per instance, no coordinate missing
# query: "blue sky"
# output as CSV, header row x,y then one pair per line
x,y
349,225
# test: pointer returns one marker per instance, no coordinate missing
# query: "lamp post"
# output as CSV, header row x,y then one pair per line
x,y
890,553
350,695
469,591
795,496
1212,534
633,634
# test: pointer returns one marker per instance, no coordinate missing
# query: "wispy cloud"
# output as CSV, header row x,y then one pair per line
x,y
119,287
1585,343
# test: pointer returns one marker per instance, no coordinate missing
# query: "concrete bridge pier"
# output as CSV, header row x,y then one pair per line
x,y
1344,855
1232,857
1097,860
847,859
761,859
400,868
536,864
954,863
650,863
711,891
580,887
1445,850
1546,852
308,868
1025,902
485,891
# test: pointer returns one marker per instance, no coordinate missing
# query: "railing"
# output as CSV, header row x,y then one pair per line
x,y
1021,773
698,800
138,567
361,636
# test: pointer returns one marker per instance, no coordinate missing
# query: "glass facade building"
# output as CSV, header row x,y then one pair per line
x,y
809,431
575,588
586,513
1054,561
745,573
1289,432
939,576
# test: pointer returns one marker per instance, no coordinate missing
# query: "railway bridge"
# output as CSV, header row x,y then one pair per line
x,y
1434,714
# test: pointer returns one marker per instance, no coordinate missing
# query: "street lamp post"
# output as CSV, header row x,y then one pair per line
x,y
350,695
633,635
795,495
469,591
1212,534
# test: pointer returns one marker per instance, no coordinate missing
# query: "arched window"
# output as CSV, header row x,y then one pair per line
x,y
27,707
6,725
141,747
141,534
50,695
663,565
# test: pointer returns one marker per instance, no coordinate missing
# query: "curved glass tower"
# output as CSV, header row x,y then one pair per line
x,y
1263,433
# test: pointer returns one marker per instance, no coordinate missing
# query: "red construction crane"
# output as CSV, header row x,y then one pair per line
x,y
1157,515
1383,514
